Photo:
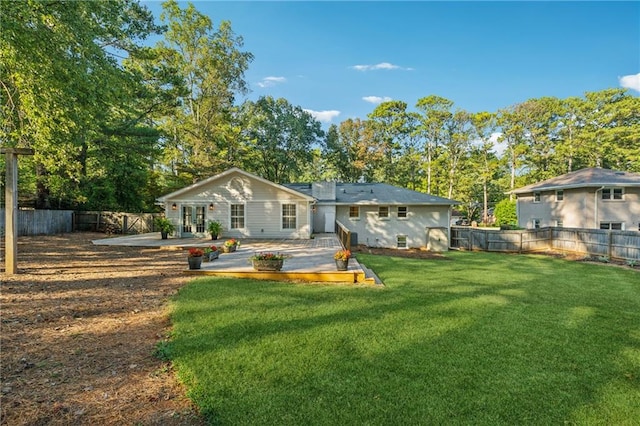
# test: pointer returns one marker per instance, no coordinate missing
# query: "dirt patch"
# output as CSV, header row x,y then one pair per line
x,y
79,326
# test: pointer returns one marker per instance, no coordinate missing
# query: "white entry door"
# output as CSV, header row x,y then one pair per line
x,y
330,221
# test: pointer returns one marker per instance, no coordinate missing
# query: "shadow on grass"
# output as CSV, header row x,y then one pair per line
x,y
482,340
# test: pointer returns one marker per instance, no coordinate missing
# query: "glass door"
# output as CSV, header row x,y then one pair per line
x,y
193,220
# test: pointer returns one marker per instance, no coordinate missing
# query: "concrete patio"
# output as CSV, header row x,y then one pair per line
x,y
308,260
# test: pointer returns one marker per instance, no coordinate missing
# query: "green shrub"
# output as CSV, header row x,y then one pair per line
x,y
505,213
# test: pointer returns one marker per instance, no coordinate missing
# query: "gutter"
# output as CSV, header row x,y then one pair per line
x,y
596,225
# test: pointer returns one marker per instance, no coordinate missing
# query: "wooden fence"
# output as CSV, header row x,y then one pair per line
x,y
51,222
623,245
40,222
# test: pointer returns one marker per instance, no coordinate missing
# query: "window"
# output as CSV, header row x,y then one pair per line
x,y
402,211
237,216
536,223
383,212
354,212
614,226
612,194
559,223
401,241
559,195
536,197
288,216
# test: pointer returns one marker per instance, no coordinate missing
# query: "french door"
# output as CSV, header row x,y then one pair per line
x,y
193,220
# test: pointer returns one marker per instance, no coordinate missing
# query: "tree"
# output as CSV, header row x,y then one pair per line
x,y
63,88
456,143
281,138
436,113
484,124
201,134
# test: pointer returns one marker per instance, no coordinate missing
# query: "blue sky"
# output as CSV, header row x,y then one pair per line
x,y
339,59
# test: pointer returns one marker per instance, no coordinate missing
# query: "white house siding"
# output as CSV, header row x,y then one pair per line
x,y
374,231
263,207
578,209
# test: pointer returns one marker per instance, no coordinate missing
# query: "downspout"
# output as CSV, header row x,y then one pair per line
x,y
596,225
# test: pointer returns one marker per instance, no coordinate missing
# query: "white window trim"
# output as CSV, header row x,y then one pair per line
x,y
282,204
406,217
622,227
388,213
244,216
406,242
533,223
354,217
611,191
539,197
562,192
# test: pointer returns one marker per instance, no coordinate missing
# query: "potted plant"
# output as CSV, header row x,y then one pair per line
x,y
211,253
230,245
267,261
165,226
214,228
342,259
195,257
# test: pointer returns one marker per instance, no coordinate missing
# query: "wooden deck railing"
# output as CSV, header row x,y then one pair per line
x,y
344,235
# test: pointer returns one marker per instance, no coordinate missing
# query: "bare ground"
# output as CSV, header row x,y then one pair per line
x,y
79,326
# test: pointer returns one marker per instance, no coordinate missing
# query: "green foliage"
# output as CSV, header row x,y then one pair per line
x,y
164,225
479,339
280,138
505,213
115,124
214,228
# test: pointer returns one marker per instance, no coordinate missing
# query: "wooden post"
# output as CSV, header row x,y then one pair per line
x,y
11,207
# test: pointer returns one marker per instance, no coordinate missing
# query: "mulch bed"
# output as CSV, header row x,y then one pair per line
x,y
79,326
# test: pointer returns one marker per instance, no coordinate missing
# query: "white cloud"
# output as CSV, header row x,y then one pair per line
x,y
376,99
323,116
380,66
630,82
271,81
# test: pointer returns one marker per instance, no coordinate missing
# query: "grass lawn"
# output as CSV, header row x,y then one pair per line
x,y
478,338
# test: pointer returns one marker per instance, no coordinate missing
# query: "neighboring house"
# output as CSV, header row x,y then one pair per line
x,y
589,198
249,206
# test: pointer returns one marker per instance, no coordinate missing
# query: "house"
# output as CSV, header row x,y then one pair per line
x,y
589,198
249,206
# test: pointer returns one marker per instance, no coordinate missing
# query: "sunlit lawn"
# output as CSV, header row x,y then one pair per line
x,y
478,338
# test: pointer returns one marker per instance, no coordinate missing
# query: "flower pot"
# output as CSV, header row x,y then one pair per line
x,y
214,255
342,265
164,235
195,262
267,265
214,237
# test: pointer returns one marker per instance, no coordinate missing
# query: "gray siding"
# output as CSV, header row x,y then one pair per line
x,y
581,208
374,231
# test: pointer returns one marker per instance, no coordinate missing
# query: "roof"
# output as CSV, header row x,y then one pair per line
x,y
232,170
376,194
584,178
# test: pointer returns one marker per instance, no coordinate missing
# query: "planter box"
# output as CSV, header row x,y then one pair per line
x,y
227,249
267,265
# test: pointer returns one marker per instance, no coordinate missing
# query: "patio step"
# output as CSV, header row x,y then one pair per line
x,y
370,277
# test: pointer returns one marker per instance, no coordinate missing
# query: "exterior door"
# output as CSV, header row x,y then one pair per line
x,y
193,220
330,221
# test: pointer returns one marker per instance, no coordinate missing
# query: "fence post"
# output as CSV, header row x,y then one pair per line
x,y
610,245
521,233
